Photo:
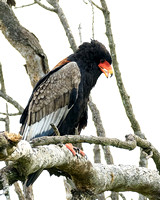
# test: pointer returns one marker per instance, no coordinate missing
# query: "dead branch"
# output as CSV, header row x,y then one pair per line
x,y
125,97
132,141
25,42
26,160
44,6
2,80
64,22
100,129
12,101
130,144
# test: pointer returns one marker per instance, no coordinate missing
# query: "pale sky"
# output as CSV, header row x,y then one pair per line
x,y
135,26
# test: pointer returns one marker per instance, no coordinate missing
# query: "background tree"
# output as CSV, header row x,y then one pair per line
x,y
37,65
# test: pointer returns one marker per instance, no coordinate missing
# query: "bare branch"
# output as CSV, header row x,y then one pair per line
x,y
130,144
125,98
92,18
19,191
80,33
96,5
5,186
44,6
122,196
12,101
11,114
100,129
64,22
25,160
27,5
25,42
2,80
46,140
7,120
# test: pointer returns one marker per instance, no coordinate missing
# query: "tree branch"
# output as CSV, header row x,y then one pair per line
x,y
100,130
25,42
25,160
64,22
132,141
3,89
125,98
44,6
46,140
12,101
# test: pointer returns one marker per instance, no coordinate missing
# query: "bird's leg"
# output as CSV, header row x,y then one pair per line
x,y
74,150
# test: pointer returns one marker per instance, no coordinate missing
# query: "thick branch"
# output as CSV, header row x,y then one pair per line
x,y
132,141
106,178
25,42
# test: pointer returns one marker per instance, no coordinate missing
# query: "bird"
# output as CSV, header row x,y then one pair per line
x,y
62,95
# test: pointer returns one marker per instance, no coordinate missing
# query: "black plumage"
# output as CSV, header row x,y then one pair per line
x,y
61,96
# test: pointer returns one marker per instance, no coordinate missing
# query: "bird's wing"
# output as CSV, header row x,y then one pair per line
x,y
51,100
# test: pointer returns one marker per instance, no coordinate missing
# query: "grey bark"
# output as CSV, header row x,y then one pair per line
x,y
25,42
93,178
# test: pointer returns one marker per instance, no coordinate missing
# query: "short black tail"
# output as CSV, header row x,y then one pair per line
x,y
32,177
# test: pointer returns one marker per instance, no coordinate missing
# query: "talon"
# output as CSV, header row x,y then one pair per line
x,y
71,148
75,150
82,153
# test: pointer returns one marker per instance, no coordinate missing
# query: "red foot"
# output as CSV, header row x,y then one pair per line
x,y
72,149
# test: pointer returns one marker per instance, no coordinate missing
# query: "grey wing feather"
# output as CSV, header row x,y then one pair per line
x,y
49,103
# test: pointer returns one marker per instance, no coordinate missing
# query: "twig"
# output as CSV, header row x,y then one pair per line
x,y
56,131
23,6
122,196
2,119
2,80
11,114
96,5
12,101
92,18
80,33
7,120
44,6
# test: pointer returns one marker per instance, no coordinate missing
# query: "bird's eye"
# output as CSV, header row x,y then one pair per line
x,y
102,60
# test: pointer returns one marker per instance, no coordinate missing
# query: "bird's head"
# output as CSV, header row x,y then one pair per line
x,y
95,55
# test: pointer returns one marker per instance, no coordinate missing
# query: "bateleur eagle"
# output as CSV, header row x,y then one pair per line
x,y
61,96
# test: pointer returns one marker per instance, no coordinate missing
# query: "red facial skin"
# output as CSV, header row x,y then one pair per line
x,y
106,68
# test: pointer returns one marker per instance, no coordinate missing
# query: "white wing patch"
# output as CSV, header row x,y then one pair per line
x,y
43,126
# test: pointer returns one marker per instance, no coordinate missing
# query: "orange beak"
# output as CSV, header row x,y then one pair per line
x,y
106,68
